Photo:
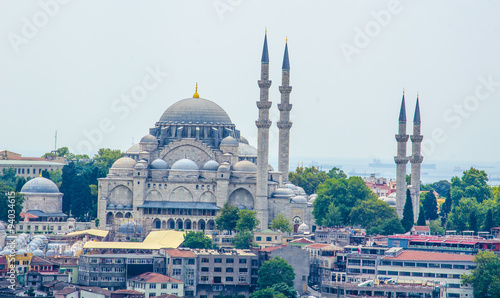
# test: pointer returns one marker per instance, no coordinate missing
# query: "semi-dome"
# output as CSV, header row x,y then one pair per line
x,y
124,163
303,228
149,139
246,150
185,165
299,200
211,165
159,164
130,227
195,111
135,149
245,166
229,141
40,185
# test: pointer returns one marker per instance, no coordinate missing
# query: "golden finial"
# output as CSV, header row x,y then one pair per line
x,y
403,91
266,30
286,39
195,95
417,94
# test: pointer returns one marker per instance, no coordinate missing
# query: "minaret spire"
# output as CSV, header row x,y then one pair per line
x,y
284,124
263,124
416,160
401,160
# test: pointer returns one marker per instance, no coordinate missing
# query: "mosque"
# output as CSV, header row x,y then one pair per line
x,y
194,160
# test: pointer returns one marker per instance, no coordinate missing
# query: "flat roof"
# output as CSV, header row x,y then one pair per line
x,y
92,232
155,240
29,162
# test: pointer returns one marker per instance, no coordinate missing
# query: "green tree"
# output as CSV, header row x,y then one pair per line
x,y
67,186
488,221
345,195
9,199
392,226
442,187
243,240
436,227
247,220
430,206
485,278
371,213
445,209
105,158
197,239
228,218
421,217
286,290
336,173
308,178
20,183
460,217
472,185
408,220
45,174
333,217
281,223
275,271
264,293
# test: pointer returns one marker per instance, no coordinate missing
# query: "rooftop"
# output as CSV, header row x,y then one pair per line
x,y
152,277
154,241
410,255
178,253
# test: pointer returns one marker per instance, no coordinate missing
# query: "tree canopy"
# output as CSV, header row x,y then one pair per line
x,y
275,271
243,240
407,221
197,239
247,220
473,184
485,278
430,207
281,223
228,218
309,178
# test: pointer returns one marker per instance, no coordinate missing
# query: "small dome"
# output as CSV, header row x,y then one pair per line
x,y
68,253
129,206
211,165
130,227
303,228
141,165
159,164
124,163
301,190
111,206
51,253
120,206
185,165
312,198
135,149
245,166
40,185
38,253
270,168
299,200
223,167
243,140
149,139
291,186
282,193
4,252
22,251
229,141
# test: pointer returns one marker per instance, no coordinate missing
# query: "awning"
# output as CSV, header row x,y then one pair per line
x,y
469,242
436,241
451,241
179,205
418,240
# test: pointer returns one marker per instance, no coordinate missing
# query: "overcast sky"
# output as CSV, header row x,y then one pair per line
x,y
69,66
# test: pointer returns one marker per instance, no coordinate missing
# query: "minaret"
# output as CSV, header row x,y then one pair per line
x,y
416,160
284,124
401,161
263,124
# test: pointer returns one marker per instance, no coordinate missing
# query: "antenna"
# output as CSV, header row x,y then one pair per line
x,y
55,141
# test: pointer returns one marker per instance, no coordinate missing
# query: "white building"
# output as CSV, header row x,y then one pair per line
x,y
155,284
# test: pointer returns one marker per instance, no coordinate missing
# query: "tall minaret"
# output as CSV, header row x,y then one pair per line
x,y
401,161
263,124
284,124
416,160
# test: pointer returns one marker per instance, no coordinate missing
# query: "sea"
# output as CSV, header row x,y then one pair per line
x,y
431,171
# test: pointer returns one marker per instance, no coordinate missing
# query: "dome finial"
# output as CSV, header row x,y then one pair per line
x,y
196,95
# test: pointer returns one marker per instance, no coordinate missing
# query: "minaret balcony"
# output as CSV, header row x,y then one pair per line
x,y
264,83
285,107
416,159
416,138
401,160
266,105
285,89
284,124
263,123
402,138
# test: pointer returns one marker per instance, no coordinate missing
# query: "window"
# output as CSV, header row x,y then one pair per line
x,y
242,270
447,266
177,271
456,286
190,261
229,269
381,272
458,266
386,263
409,264
442,275
177,261
175,286
392,273
456,276
369,263
217,260
229,260
269,239
397,263
152,294
243,261
416,274
429,275
204,278
164,286
152,286
217,269
242,279
432,265
229,278
204,260
258,238
217,280
423,265
404,273
204,269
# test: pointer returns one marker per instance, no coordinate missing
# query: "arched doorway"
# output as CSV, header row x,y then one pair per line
x,y
171,224
201,225
110,218
180,224
157,223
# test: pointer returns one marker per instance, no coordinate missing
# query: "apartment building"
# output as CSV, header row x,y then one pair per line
x,y
182,264
156,284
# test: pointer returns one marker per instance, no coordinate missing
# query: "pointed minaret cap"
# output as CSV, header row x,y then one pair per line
x,y
265,55
416,117
196,95
402,112
286,63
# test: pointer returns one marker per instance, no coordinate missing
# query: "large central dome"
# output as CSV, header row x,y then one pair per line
x,y
195,111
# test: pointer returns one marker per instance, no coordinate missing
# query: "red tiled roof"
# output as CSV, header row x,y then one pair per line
x,y
410,255
127,292
65,291
40,261
272,248
302,240
168,296
152,277
422,228
318,245
177,253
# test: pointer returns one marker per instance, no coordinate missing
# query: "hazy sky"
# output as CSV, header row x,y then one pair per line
x,y
71,65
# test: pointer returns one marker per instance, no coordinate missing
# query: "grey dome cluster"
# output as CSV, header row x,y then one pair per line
x,y
195,111
40,185
185,165
130,227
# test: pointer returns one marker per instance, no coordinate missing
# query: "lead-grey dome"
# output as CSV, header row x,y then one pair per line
x,y
211,165
299,200
229,141
134,149
245,166
40,185
159,164
185,165
124,163
130,227
149,139
196,111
